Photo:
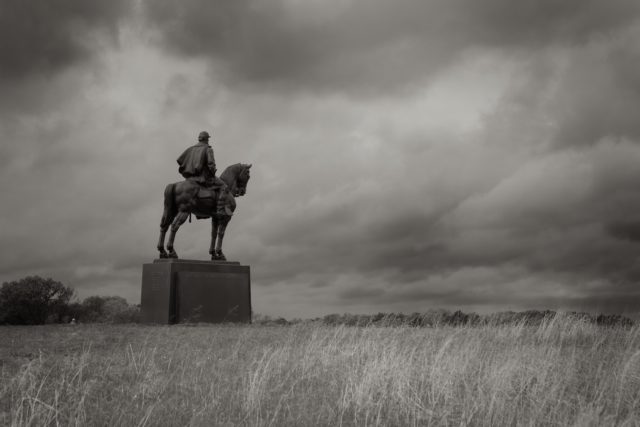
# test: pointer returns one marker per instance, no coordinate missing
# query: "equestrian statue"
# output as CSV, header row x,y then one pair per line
x,y
202,194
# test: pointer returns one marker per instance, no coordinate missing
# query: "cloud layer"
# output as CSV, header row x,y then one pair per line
x,y
370,46
42,38
461,154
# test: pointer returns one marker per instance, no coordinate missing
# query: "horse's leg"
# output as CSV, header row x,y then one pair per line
x,y
168,215
163,232
221,229
164,226
167,218
214,233
175,225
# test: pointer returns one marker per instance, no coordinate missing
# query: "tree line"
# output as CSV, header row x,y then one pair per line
x,y
433,318
34,300
440,317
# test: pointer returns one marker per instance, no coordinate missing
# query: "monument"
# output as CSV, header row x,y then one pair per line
x,y
176,290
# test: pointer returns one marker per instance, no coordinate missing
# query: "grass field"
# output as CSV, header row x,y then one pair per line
x,y
563,372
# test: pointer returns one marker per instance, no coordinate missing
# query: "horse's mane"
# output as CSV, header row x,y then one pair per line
x,y
231,172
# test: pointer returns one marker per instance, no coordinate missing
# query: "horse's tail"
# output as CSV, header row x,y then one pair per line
x,y
170,209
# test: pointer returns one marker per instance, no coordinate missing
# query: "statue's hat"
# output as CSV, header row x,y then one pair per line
x,y
203,135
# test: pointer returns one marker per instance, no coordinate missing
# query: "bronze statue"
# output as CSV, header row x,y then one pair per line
x,y
202,194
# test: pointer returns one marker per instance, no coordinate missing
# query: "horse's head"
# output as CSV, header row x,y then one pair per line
x,y
242,179
236,177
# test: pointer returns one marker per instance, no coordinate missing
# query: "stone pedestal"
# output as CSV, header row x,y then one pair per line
x,y
177,290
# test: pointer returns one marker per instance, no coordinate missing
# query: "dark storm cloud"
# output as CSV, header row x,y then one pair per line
x,y
629,230
371,46
42,37
566,212
566,218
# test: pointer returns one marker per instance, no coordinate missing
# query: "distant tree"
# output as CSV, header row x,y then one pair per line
x,y
33,300
92,309
117,310
112,309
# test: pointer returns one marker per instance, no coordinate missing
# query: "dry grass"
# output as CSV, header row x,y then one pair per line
x,y
564,372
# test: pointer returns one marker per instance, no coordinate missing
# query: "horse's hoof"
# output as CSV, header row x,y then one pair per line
x,y
218,256
163,255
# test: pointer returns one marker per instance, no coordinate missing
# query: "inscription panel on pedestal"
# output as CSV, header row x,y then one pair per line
x,y
156,298
157,280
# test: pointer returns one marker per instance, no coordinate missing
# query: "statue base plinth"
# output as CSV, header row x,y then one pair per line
x,y
181,290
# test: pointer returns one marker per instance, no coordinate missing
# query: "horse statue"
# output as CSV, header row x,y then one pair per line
x,y
181,199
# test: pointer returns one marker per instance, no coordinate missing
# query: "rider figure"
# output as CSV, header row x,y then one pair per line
x,y
198,164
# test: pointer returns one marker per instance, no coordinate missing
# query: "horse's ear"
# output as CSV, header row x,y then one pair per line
x,y
249,167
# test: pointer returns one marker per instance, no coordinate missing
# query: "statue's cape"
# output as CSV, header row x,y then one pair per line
x,y
193,161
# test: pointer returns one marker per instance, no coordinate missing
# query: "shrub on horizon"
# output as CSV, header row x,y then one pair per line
x,y
112,309
439,317
33,301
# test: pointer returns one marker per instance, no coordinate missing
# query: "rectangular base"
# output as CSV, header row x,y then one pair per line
x,y
177,290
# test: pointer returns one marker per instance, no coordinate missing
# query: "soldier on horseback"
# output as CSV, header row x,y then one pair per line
x,y
203,194
198,164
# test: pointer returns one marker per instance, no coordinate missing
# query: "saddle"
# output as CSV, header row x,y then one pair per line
x,y
207,193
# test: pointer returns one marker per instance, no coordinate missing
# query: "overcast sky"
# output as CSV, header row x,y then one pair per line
x,y
465,154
